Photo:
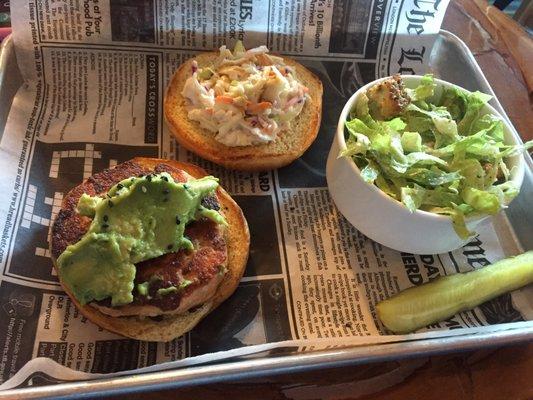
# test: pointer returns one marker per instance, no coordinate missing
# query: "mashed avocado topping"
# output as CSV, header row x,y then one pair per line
x,y
246,97
139,218
144,288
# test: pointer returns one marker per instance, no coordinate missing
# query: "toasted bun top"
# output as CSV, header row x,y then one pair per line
x,y
69,227
288,146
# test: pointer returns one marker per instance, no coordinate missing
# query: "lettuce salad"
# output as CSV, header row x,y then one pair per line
x,y
433,153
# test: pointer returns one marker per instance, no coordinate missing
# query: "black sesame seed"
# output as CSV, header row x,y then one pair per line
x,y
149,178
164,178
105,226
132,179
110,203
178,220
120,186
170,246
185,187
140,175
105,218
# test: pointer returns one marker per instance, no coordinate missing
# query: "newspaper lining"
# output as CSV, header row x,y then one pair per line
x,y
94,78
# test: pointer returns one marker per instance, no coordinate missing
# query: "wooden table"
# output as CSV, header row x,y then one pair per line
x,y
505,373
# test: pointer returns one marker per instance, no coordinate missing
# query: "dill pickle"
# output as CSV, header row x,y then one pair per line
x,y
444,297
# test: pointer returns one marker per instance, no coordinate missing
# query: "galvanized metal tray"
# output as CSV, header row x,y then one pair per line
x,y
451,60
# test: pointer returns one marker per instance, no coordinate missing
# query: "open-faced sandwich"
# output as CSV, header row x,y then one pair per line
x,y
245,109
150,247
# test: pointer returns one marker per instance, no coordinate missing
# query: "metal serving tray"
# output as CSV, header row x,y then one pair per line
x,y
451,60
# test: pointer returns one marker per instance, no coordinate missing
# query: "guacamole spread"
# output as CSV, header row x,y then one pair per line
x,y
138,219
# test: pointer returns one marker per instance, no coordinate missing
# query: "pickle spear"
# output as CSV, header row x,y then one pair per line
x,y
444,297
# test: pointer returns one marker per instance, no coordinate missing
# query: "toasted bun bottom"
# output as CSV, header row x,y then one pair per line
x,y
237,242
288,146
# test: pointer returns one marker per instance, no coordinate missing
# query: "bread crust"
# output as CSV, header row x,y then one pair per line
x,y
288,146
237,241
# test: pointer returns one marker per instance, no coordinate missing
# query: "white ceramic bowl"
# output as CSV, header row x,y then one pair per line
x,y
386,220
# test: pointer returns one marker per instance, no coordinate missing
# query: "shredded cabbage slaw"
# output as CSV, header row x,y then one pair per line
x,y
246,97
438,155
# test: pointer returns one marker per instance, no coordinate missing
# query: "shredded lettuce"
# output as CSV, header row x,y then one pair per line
x,y
474,102
411,141
370,172
424,90
440,155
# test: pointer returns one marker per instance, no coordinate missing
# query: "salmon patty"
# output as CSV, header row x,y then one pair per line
x,y
173,283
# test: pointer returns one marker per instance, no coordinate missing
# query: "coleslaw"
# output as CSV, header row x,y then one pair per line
x,y
246,97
